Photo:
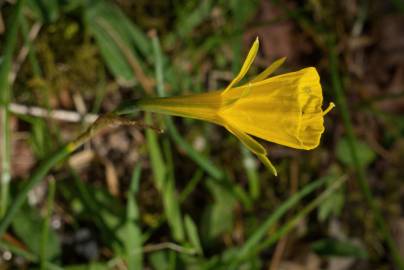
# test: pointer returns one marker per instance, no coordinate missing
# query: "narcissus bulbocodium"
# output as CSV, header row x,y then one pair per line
x,y
284,109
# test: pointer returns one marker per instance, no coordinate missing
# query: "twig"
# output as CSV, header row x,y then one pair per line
x,y
278,254
105,121
60,115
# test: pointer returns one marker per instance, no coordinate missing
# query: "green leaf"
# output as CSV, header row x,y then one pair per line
x,y
133,240
44,10
193,17
165,182
159,260
365,154
105,211
192,233
112,55
27,226
45,226
156,157
172,210
113,31
218,216
334,202
124,27
257,237
333,247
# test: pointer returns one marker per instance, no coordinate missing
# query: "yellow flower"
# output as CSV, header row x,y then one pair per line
x,y
284,109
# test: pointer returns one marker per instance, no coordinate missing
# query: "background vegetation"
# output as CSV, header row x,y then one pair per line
x,y
193,197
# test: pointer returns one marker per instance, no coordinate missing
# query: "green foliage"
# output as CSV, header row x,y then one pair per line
x,y
192,234
333,247
217,217
112,55
365,154
333,205
193,16
159,260
186,203
116,37
47,11
27,224
133,235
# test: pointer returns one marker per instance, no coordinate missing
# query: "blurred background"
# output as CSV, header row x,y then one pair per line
x,y
193,197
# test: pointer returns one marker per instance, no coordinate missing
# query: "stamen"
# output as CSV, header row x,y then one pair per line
x,y
330,107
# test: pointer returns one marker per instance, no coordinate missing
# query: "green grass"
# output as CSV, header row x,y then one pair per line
x,y
5,96
359,168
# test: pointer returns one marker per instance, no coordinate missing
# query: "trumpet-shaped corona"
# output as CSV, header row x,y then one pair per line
x,y
284,109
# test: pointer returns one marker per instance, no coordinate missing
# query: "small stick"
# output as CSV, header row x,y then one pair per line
x,y
61,115
104,121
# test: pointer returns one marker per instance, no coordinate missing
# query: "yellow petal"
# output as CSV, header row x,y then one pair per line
x,y
284,109
269,70
246,65
253,146
247,140
264,159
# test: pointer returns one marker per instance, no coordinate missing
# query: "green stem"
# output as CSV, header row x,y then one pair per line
x,y
5,159
360,170
5,69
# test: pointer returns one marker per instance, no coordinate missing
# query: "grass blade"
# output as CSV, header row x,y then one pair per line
x,y
35,179
260,233
170,197
303,213
26,255
5,69
192,233
45,227
156,158
133,243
